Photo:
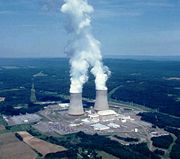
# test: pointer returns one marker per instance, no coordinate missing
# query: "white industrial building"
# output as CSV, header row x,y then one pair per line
x,y
107,115
58,106
125,118
2,99
104,115
94,117
100,127
113,125
63,105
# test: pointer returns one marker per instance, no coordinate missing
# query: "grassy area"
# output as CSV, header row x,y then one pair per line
x,y
39,157
162,141
4,131
2,121
178,99
105,155
23,127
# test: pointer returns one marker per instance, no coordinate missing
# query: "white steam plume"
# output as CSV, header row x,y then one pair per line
x,y
83,48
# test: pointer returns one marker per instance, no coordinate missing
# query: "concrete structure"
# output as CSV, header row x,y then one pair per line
x,y
107,112
102,116
135,130
76,106
100,127
22,119
33,94
101,100
63,105
123,120
2,99
94,118
107,115
113,125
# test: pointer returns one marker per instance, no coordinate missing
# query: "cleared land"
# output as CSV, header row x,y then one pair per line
x,y
173,78
2,127
106,155
12,148
39,145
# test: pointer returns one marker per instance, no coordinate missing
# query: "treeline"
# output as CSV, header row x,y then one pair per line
x,y
96,142
153,94
141,82
162,141
10,110
115,148
175,152
144,150
127,139
160,120
166,122
70,154
159,152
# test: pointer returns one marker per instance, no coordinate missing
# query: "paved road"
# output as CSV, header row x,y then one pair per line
x,y
148,138
168,151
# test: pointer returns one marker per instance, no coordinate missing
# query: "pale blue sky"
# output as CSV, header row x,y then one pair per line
x,y
34,28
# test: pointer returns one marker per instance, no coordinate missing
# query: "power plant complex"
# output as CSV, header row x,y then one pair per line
x,y
85,55
76,106
101,100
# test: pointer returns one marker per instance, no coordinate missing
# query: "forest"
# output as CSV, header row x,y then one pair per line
x,y
148,83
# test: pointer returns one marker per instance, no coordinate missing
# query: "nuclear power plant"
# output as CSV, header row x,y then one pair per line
x,y
86,55
101,100
76,106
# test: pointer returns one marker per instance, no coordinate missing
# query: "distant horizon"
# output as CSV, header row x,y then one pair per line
x,y
124,57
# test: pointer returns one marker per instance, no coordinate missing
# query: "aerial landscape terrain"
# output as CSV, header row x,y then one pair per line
x,y
84,79
143,91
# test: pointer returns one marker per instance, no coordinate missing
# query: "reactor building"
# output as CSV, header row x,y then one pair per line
x,y
76,105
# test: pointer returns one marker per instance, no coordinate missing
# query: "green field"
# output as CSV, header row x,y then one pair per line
x,y
105,155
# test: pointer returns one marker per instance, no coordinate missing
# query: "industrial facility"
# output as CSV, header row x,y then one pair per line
x,y
76,106
115,120
22,119
100,117
2,99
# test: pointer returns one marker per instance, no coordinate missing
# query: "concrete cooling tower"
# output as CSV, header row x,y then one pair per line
x,y
75,106
101,100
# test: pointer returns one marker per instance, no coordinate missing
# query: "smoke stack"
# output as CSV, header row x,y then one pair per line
x,y
76,106
101,100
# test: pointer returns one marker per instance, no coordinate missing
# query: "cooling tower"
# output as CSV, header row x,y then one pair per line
x,y
76,106
101,100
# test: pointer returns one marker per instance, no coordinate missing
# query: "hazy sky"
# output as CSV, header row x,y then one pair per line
x,y
34,28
